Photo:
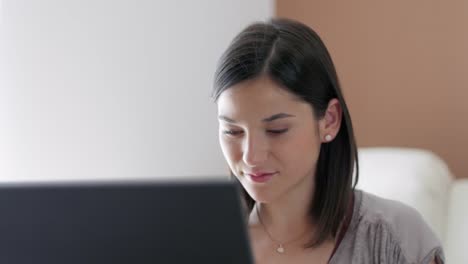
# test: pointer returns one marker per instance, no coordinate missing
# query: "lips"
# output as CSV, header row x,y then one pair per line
x,y
260,177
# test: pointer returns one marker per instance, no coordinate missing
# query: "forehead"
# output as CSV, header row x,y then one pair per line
x,y
259,98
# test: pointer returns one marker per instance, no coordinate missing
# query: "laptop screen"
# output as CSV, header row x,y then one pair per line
x,y
100,223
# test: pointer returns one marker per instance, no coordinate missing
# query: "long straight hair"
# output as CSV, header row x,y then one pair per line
x,y
293,55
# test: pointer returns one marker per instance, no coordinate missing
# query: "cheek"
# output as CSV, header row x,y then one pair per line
x,y
300,152
230,150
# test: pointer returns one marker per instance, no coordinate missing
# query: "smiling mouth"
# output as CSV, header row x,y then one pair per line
x,y
260,177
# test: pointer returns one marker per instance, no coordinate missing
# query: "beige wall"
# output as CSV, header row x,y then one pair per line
x,y
403,66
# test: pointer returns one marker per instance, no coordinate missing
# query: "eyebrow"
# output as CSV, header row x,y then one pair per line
x,y
266,120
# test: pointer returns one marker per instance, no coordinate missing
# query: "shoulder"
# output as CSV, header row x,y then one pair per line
x,y
394,214
396,229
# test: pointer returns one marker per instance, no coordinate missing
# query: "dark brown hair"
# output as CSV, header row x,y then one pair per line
x,y
294,56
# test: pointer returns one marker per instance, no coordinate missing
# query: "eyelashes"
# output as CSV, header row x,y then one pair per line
x,y
231,132
278,131
270,131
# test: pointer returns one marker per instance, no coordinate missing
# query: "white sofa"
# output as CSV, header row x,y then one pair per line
x,y
422,180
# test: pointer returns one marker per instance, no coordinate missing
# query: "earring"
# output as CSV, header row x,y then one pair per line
x,y
328,137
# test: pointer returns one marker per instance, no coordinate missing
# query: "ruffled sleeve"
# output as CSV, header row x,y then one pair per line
x,y
387,231
385,245
396,233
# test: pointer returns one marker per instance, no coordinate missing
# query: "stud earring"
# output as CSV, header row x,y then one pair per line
x,y
328,137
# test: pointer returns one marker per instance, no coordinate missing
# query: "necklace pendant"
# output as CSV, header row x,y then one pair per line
x,y
280,249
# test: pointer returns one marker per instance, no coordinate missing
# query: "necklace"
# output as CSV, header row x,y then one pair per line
x,y
280,249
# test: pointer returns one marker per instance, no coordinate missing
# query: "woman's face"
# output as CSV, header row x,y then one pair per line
x,y
270,139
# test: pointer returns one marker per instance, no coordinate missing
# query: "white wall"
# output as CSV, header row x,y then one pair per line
x,y
106,89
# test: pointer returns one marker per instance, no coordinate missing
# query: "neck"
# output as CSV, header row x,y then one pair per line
x,y
287,217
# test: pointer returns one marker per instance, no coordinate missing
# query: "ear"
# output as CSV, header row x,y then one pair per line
x,y
329,124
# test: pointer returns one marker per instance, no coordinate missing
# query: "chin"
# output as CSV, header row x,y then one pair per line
x,y
259,196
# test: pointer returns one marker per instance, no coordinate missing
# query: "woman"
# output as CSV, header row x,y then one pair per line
x,y
287,136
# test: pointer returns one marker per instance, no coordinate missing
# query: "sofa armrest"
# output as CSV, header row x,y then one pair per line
x,y
457,224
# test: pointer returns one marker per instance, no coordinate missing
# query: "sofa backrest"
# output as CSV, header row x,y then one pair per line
x,y
416,177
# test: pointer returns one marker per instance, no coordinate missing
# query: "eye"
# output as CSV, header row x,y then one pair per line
x,y
232,132
277,131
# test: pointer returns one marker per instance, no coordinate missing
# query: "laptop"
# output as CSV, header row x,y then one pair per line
x,y
123,223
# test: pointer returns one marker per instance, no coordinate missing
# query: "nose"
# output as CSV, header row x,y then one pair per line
x,y
255,151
